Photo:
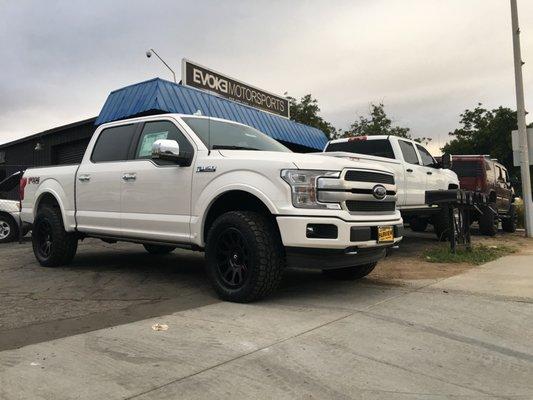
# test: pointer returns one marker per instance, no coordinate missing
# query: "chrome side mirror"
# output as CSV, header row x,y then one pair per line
x,y
164,149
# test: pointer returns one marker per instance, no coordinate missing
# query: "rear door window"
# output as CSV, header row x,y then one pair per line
x,y
427,159
377,147
408,151
113,144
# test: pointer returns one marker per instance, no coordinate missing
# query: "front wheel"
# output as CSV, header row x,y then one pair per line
x,y
509,223
245,257
418,224
351,273
8,229
488,221
52,245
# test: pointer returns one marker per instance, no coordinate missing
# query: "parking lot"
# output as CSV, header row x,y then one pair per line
x,y
412,329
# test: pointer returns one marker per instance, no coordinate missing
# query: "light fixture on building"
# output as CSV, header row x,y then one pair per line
x,y
38,146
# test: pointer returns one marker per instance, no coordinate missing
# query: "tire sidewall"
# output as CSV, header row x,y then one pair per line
x,y
13,229
231,220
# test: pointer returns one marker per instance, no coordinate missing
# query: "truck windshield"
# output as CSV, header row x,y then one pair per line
x,y
377,147
226,135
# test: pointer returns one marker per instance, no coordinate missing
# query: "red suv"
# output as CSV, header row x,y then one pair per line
x,y
481,173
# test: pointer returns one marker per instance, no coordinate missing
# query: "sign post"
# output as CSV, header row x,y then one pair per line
x,y
200,77
521,116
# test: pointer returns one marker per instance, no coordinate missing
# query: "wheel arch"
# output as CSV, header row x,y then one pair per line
x,y
50,198
234,200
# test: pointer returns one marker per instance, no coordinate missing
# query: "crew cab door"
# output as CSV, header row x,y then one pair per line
x,y
503,192
415,175
98,181
434,178
156,194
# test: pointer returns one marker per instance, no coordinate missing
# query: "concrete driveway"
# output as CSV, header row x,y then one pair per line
x,y
86,332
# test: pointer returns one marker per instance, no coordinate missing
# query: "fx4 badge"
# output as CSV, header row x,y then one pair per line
x,y
208,168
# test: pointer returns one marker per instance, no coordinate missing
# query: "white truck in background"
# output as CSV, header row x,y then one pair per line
x,y
217,186
415,172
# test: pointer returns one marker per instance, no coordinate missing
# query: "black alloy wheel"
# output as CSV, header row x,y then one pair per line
x,y
43,239
233,258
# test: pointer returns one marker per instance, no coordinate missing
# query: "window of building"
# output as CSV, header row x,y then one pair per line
x,y
408,151
113,144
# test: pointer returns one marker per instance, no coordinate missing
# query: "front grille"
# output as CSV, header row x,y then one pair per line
x,y
368,206
366,176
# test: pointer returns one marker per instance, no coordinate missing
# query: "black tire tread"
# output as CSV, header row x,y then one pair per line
x,y
269,252
509,223
487,223
65,244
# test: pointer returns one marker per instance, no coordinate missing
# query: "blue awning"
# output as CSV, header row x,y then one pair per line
x,y
165,96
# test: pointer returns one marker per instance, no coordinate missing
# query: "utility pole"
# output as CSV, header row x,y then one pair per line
x,y
149,54
521,116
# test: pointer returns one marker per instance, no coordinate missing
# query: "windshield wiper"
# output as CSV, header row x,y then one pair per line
x,y
229,147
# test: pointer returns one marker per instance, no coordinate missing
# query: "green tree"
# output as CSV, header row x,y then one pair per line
x,y
485,131
379,123
306,111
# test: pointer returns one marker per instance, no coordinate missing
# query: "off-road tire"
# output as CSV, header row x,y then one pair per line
x,y
264,252
63,245
350,273
442,225
158,250
418,224
509,223
8,222
488,221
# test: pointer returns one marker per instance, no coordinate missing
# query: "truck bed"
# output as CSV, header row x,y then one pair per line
x,y
61,181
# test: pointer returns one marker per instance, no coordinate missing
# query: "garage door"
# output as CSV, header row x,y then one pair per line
x,y
69,153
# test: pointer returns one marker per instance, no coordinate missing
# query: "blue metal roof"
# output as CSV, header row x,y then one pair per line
x,y
161,95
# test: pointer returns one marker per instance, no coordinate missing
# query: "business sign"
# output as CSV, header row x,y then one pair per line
x,y
200,77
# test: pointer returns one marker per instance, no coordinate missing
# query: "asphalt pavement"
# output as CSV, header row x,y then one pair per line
x,y
87,332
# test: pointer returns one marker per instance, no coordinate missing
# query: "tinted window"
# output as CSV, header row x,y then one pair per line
x,y
467,169
157,130
226,135
427,159
378,147
408,151
113,144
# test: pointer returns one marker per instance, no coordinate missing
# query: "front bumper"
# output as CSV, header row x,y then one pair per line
x,y
360,234
351,243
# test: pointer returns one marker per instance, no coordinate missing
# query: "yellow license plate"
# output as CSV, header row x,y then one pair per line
x,y
385,234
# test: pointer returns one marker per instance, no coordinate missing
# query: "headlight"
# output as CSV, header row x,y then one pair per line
x,y
303,185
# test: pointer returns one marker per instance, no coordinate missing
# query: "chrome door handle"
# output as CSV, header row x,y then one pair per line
x,y
84,178
129,177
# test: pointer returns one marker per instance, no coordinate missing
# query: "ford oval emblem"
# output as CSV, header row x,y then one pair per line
x,y
379,192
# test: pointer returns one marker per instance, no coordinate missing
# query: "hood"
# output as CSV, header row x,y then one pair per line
x,y
304,161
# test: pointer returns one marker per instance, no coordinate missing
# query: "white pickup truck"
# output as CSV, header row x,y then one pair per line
x,y
217,186
415,171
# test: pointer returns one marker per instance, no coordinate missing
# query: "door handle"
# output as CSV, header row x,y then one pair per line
x,y
429,173
84,178
409,170
129,177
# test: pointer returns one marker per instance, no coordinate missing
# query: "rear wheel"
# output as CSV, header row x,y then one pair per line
x,y
52,245
488,221
8,228
350,273
418,224
509,223
245,256
156,249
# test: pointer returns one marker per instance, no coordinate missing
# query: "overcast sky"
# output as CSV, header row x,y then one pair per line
x,y
427,60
